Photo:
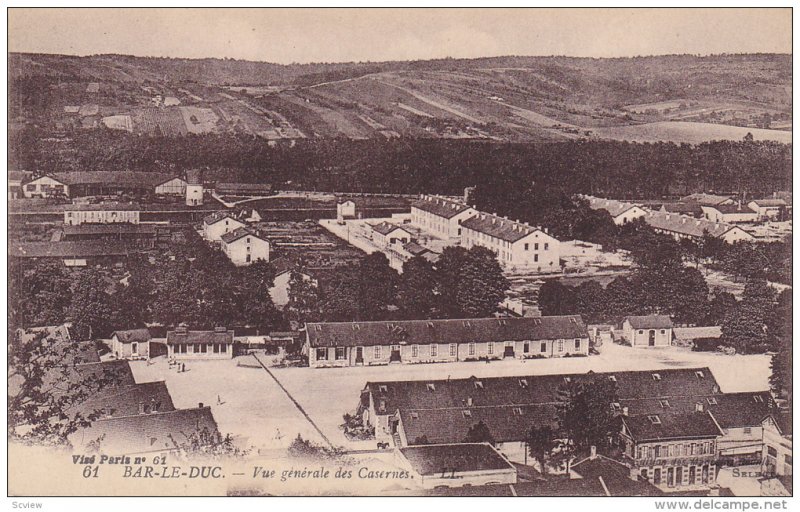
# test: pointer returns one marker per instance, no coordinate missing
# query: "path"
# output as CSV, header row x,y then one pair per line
x,y
295,402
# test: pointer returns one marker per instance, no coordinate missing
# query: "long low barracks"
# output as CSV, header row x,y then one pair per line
x,y
330,344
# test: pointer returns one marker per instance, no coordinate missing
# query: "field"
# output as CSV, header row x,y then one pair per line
x,y
693,133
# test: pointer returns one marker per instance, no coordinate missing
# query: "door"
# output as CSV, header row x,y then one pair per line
x,y
651,340
657,476
671,477
394,357
705,474
360,355
509,351
692,475
679,476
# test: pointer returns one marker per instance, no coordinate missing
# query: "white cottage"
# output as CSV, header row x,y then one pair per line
x,y
218,224
244,246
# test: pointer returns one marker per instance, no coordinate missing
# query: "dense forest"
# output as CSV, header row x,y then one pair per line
x,y
605,168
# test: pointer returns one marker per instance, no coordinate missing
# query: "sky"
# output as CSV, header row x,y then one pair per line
x,y
343,35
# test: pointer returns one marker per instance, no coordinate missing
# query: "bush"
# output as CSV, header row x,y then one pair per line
x,y
706,345
305,449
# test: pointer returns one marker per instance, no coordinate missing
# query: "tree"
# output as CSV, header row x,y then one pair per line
x,y
47,389
254,300
448,272
720,305
481,286
416,289
39,292
557,299
479,433
304,298
90,307
745,327
377,282
541,442
585,412
781,364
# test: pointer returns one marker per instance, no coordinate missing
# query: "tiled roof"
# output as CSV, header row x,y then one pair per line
x,y
612,206
112,206
424,332
71,249
64,348
218,216
693,333
705,199
194,337
770,202
415,249
731,410
245,188
650,322
122,179
385,228
459,458
129,336
783,419
115,401
154,432
114,228
692,208
616,477
665,426
440,206
685,225
499,227
242,232
535,389
732,208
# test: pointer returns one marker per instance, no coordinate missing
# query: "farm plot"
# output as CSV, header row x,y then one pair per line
x,y
167,122
693,133
199,120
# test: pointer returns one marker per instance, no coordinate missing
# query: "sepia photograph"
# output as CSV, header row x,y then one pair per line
x,y
403,252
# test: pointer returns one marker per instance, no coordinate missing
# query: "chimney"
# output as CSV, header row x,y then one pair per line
x,y
141,407
625,411
698,407
200,405
593,452
469,401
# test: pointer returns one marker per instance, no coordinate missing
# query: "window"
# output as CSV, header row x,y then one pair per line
x,y
664,404
663,331
490,348
414,415
340,353
383,388
517,411
216,348
247,259
546,246
134,349
535,257
526,347
616,406
526,246
536,246
700,375
655,420
377,352
466,413
431,386
772,452
434,350
711,401
452,350
748,430
382,406
560,345
523,383
656,377
577,344
543,347
472,349
478,384
322,353
612,378
30,187
203,348
641,331
414,351
758,399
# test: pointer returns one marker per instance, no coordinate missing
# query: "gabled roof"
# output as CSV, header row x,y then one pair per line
x,y
156,432
122,179
500,227
242,232
666,426
534,390
114,228
415,249
385,228
612,206
706,199
731,410
693,333
424,332
219,216
650,321
132,335
126,400
783,420
440,206
616,477
195,337
243,188
686,225
769,202
436,459
728,209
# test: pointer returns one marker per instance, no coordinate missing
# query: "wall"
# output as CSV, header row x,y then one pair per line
x,y
735,235
173,187
237,251
194,195
440,226
782,447
641,337
193,352
527,253
124,350
75,217
629,215
45,187
685,462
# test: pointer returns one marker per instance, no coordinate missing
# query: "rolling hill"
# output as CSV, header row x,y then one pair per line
x,y
502,98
